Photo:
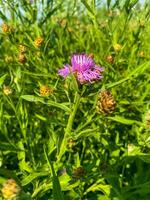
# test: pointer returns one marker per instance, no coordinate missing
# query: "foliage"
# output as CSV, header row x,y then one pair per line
x,y
56,144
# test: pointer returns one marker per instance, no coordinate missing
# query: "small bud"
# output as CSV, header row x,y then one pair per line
x,y
142,23
10,189
91,55
63,23
71,143
22,48
7,90
147,118
45,90
106,103
5,28
78,173
38,42
8,59
110,59
117,47
141,54
22,58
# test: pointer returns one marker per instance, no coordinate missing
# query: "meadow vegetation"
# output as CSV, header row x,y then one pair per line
x,y
61,138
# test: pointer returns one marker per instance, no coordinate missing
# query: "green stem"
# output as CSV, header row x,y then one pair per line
x,y
69,125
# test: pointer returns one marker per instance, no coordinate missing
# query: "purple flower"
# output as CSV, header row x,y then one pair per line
x,y
83,67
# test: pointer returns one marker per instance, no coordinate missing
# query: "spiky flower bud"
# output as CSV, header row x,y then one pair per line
x,y
45,90
141,54
78,173
5,28
22,58
7,90
10,189
106,103
110,59
38,42
22,48
8,59
117,47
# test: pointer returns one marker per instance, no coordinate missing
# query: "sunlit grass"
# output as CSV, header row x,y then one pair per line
x,y
60,139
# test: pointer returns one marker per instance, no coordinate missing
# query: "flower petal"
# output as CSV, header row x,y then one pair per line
x,y
64,71
81,62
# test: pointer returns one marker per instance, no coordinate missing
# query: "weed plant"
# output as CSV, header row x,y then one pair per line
x,y
61,139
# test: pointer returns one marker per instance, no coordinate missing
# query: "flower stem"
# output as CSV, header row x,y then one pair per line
x,y
69,126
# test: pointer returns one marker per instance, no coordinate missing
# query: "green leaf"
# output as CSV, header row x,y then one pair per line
x,y
33,98
32,176
145,157
124,120
57,194
2,79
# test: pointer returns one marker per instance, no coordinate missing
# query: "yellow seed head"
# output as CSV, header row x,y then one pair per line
x,y
141,54
22,48
10,189
106,103
45,90
22,58
117,47
5,28
8,59
38,42
7,90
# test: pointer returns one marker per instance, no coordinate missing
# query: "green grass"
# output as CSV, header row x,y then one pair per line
x,y
113,150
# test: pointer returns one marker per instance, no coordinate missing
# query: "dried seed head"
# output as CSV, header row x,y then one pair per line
x,y
78,173
22,48
117,47
10,189
45,90
110,59
22,58
7,90
106,103
5,28
38,42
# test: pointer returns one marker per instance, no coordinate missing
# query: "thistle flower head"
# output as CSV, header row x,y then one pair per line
x,y
7,90
83,67
22,58
106,102
5,28
10,189
22,48
45,90
38,42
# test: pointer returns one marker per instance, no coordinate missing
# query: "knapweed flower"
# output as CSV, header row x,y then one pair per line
x,y
10,189
45,90
106,103
83,67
